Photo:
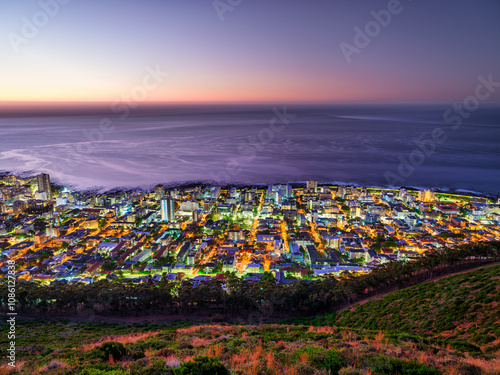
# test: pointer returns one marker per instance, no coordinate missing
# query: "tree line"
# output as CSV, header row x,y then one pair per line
x,y
240,299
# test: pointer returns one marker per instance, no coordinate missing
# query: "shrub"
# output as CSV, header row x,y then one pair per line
x,y
305,369
468,369
463,346
202,366
136,354
165,352
185,345
330,360
155,368
99,371
409,337
350,371
383,365
116,349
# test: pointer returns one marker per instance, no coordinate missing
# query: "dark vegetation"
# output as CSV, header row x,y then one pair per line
x,y
405,332
460,311
238,298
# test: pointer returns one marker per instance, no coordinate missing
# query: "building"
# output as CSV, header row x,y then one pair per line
x,y
189,205
426,196
40,238
197,216
159,192
167,209
52,232
44,185
312,186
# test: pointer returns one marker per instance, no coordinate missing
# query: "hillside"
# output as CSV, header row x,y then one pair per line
x,y
450,326
463,307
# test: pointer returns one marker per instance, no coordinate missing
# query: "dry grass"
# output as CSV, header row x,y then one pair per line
x,y
52,365
290,370
379,336
215,351
491,366
304,357
313,329
6,369
197,341
260,356
189,358
207,327
248,360
173,361
270,361
124,339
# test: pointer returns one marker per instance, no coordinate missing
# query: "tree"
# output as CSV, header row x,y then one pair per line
x,y
111,348
268,276
108,266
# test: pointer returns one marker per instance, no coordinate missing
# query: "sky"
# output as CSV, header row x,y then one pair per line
x,y
247,51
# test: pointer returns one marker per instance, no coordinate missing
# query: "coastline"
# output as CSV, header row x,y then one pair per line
x,y
295,184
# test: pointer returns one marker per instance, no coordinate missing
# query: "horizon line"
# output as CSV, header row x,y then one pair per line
x,y
236,102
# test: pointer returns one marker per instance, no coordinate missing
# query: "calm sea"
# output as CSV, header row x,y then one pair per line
x,y
384,145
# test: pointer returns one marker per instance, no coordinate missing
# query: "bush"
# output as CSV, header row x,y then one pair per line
x,y
383,365
165,352
136,354
158,367
202,366
112,348
305,369
103,371
407,337
468,369
350,371
463,346
330,360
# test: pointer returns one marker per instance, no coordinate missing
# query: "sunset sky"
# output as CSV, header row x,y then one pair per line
x,y
262,50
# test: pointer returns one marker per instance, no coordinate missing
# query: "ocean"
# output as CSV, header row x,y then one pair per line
x,y
424,146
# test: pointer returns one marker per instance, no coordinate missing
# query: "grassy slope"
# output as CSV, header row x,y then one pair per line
x,y
462,307
431,328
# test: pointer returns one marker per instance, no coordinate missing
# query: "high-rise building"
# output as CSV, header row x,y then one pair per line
x,y
197,216
312,186
167,209
426,196
44,185
159,192
430,196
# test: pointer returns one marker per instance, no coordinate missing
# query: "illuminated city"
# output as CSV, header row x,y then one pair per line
x,y
204,232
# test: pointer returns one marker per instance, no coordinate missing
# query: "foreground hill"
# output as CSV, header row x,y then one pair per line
x,y
450,326
464,307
